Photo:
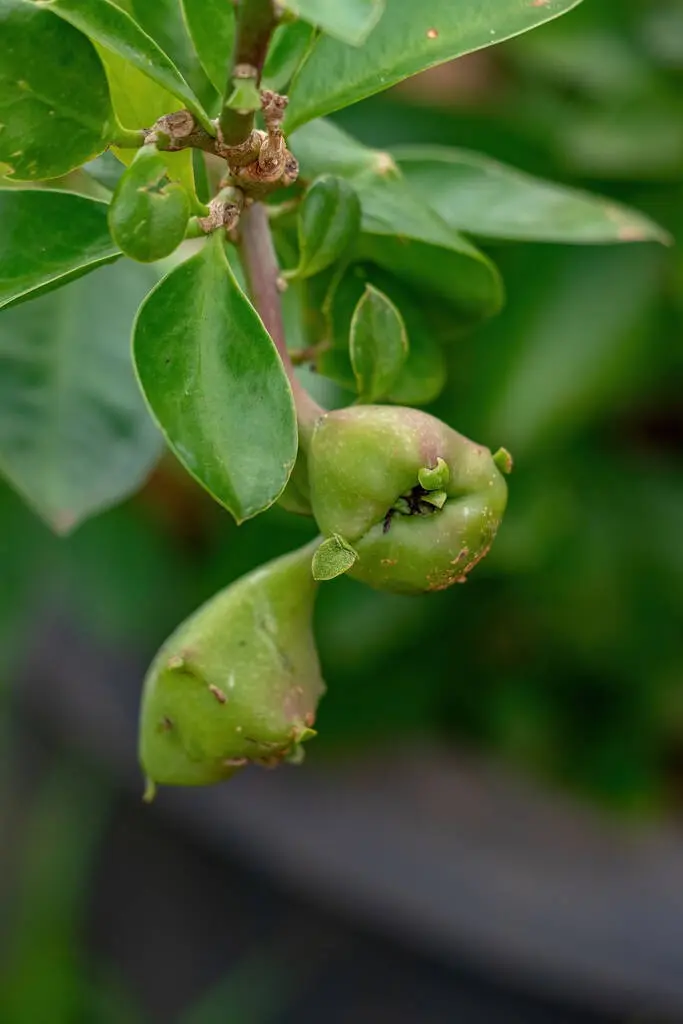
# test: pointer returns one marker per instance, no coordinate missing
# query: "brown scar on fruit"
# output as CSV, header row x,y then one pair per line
x,y
235,762
389,561
218,693
165,724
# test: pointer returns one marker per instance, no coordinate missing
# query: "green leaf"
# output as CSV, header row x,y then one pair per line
x,y
163,20
148,218
116,31
351,21
378,345
74,434
417,244
215,383
47,239
211,24
329,221
138,102
410,37
475,194
334,557
288,47
50,122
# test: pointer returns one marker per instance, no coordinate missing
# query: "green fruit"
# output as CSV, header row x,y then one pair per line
x,y
370,472
238,682
148,215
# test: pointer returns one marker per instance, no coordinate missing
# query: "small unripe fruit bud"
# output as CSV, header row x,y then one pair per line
x,y
419,503
238,682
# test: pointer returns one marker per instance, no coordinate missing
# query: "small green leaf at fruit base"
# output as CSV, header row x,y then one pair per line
x,y
504,461
351,21
378,345
237,682
115,30
329,221
215,383
332,558
436,498
435,478
148,218
47,239
51,123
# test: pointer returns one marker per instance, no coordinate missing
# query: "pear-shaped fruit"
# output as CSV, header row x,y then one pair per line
x,y
238,681
419,503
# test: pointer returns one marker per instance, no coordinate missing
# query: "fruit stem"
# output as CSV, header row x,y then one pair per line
x,y
263,272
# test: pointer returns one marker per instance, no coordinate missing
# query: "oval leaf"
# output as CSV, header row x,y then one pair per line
x,y
215,383
475,194
148,218
75,436
50,122
378,345
47,239
409,38
351,21
115,30
211,24
329,221
334,557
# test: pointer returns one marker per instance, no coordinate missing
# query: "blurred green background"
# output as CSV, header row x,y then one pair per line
x,y
564,653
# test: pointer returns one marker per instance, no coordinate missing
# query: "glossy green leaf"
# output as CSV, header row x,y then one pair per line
x,y
211,24
50,122
75,436
116,31
475,194
400,232
163,20
47,239
329,221
148,216
378,345
409,38
333,558
138,102
215,383
351,21
288,47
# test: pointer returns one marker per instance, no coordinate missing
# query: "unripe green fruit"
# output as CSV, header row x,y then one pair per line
x,y
367,467
148,215
238,681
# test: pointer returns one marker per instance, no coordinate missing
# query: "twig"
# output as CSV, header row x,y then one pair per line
x,y
262,270
256,20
